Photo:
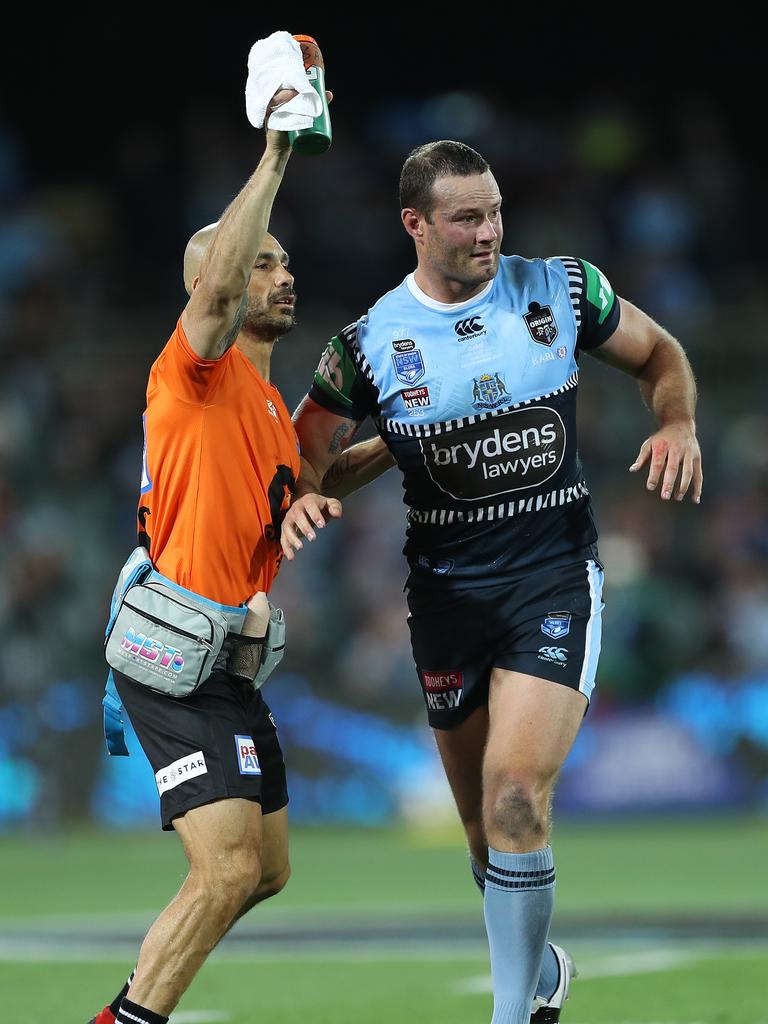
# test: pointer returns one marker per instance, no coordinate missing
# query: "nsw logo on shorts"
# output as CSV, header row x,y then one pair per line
x,y
248,762
557,624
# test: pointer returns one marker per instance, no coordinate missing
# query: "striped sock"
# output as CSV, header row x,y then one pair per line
x,y
519,895
114,1006
132,1013
550,968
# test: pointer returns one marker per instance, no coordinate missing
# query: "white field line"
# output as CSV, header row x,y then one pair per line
x,y
370,952
621,965
273,916
594,964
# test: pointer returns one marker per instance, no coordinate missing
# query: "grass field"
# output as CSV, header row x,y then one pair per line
x,y
668,922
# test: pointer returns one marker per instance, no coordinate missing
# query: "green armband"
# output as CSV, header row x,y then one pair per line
x,y
336,374
599,291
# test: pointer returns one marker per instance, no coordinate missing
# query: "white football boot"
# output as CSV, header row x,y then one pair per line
x,y
547,1011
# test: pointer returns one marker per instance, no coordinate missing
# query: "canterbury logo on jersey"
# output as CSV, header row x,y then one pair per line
x,y
471,326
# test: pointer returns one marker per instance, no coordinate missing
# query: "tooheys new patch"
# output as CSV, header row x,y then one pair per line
x,y
541,324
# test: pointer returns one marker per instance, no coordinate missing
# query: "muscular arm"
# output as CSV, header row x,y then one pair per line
x,y
330,469
642,348
323,436
214,314
356,467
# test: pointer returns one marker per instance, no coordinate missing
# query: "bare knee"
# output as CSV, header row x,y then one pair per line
x,y
273,883
229,881
270,885
516,813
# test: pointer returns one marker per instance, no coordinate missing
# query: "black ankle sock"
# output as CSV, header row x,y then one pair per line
x,y
115,1004
132,1013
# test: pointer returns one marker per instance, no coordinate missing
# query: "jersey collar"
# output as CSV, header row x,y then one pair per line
x,y
444,307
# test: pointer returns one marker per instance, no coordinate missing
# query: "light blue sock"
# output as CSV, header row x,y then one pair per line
x,y
519,895
550,968
549,975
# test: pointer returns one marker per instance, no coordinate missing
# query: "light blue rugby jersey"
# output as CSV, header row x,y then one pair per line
x,y
477,403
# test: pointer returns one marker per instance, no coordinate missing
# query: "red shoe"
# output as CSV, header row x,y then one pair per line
x,y
104,1017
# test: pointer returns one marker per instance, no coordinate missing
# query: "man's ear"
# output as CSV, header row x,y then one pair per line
x,y
413,222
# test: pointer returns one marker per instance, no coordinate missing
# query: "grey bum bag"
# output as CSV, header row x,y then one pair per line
x,y
171,639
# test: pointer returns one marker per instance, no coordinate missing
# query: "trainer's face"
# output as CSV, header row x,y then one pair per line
x,y
271,297
462,237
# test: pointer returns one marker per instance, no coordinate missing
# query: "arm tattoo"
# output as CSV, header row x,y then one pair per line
x,y
338,469
336,444
229,338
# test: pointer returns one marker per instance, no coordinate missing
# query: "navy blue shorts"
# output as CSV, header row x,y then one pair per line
x,y
547,624
219,742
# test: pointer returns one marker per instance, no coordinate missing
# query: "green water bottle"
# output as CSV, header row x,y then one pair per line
x,y
317,138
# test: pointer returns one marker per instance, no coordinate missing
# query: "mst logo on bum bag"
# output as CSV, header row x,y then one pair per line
x,y
520,449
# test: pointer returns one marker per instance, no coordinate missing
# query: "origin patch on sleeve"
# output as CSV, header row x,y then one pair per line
x,y
247,760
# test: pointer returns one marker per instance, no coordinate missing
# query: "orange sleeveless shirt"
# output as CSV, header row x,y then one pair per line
x,y
220,463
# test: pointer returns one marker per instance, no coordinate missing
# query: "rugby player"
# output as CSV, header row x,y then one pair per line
x,y
469,369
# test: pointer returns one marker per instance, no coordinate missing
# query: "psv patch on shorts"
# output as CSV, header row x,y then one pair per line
x,y
546,625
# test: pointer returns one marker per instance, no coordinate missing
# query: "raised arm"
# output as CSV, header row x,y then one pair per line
x,y
215,311
642,348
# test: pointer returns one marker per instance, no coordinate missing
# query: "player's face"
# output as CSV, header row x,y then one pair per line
x,y
271,296
462,237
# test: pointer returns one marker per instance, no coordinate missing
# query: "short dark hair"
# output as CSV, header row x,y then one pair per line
x,y
425,164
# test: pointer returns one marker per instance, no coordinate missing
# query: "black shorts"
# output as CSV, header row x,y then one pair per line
x,y
546,624
219,742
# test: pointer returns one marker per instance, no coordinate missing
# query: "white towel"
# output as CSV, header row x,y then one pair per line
x,y
276,63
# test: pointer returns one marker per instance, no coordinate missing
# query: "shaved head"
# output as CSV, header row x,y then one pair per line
x,y
197,247
193,254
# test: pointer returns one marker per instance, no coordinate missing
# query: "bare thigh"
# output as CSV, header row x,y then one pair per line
x,y
224,835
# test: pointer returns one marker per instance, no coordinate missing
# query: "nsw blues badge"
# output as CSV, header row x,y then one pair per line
x,y
557,625
247,760
409,366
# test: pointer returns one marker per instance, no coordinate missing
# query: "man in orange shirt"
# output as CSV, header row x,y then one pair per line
x,y
220,462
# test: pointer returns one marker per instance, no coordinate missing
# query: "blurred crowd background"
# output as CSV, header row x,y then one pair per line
x,y
649,172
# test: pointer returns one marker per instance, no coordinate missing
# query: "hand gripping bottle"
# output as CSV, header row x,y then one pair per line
x,y
317,138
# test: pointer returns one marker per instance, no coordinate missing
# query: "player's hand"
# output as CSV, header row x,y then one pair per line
x,y
671,452
279,140
306,513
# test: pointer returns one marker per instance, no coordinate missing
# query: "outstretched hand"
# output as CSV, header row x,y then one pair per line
x,y
299,519
672,450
